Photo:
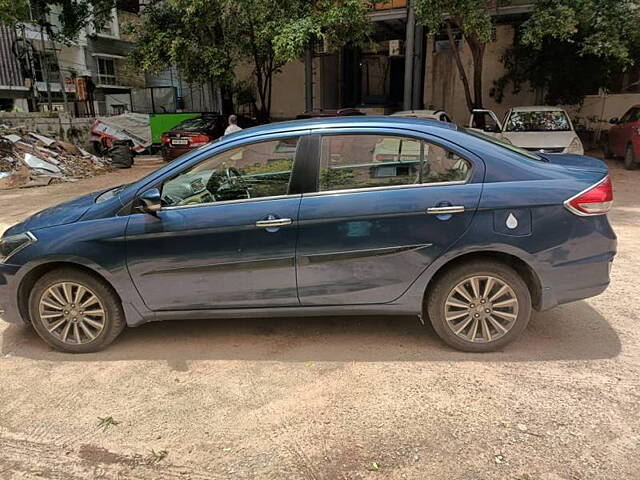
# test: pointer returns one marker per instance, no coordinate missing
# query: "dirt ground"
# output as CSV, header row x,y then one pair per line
x,y
331,398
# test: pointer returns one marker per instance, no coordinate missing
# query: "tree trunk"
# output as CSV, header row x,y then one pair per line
x,y
477,52
463,74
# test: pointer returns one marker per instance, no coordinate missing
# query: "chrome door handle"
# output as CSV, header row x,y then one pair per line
x,y
276,222
445,210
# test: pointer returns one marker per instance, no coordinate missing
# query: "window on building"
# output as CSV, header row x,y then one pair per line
x,y
106,71
365,161
46,67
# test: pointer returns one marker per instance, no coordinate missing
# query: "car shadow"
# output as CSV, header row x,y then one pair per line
x,y
570,332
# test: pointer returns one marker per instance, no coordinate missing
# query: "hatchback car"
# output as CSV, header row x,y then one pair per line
x,y
303,218
624,138
195,132
541,129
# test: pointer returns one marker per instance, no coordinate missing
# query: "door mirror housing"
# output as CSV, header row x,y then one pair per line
x,y
151,201
613,121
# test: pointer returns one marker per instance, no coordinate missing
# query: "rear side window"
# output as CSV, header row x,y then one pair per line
x,y
367,161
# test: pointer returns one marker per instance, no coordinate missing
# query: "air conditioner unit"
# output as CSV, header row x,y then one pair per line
x,y
395,48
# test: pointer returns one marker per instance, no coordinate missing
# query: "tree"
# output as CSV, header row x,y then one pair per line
x,y
207,39
474,20
566,50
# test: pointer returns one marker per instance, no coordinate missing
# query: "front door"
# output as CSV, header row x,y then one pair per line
x,y
226,235
386,207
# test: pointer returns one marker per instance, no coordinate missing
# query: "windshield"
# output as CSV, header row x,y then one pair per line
x,y
195,124
502,144
538,121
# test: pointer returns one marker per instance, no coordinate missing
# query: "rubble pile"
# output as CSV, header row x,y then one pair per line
x,y
30,160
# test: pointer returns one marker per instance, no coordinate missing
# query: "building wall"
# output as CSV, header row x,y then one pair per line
x,y
443,88
287,96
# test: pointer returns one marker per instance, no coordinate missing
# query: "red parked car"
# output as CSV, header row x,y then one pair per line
x,y
196,132
624,138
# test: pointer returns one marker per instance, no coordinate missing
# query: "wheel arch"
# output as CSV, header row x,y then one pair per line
x,y
31,277
522,268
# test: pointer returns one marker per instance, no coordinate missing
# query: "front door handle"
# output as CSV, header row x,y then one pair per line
x,y
273,222
445,210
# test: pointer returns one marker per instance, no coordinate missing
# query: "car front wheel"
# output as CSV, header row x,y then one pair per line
x,y
480,306
75,312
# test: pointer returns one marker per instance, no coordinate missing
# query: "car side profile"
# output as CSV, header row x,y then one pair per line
x,y
308,218
624,138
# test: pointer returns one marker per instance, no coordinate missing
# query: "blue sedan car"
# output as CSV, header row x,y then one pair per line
x,y
338,216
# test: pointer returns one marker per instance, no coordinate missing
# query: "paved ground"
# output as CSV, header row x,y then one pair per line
x,y
332,398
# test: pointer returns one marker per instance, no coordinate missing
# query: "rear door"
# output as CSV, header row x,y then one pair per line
x,y
387,205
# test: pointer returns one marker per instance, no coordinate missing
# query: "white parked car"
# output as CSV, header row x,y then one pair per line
x,y
539,129
429,114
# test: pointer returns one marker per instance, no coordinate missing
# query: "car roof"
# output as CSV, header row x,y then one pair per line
x,y
377,121
537,108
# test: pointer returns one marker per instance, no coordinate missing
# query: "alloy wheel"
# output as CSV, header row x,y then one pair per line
x,y
72,313
481,309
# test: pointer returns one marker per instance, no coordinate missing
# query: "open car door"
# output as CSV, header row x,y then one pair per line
x,y
485,121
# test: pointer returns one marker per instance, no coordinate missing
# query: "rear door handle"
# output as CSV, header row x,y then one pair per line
x,y
446,210
274,222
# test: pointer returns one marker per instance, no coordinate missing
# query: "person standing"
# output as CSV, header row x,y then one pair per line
x,y
233,125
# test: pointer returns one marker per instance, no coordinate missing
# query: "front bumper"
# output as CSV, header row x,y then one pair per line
x,y
9,311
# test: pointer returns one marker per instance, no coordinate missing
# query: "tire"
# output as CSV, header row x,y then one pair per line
x,y
444,289
49,288
607,149
630,158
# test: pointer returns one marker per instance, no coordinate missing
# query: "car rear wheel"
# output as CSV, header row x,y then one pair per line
x,y
75,312
630,158
479,306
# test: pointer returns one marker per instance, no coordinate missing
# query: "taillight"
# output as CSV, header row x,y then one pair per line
x,y
198,140
165,139
596,200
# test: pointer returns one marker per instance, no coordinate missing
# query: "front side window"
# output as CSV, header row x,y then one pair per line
x,y
366,161
538,121
251,171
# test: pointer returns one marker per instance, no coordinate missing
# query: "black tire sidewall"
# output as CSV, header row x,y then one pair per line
x,y
114,317
440,291
630,160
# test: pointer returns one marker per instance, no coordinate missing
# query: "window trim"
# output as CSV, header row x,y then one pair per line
x,y
301,138
401,133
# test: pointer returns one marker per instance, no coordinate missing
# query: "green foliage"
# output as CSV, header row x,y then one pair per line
x,y
472,17
14,11
608,29
595,39
207,39
73,15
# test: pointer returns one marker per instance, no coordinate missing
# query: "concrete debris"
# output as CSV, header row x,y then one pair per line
x,y
31,160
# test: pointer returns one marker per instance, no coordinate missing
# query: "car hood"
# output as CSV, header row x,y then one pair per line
x,y
540,139
61,214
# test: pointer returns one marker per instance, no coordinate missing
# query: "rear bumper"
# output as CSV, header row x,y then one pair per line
x,y
9,311
171,153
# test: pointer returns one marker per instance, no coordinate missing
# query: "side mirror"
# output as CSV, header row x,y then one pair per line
x,y
613,121
492,129
151,201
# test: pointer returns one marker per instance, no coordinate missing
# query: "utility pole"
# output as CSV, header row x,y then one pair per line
x,y
408,58
44,66
63,86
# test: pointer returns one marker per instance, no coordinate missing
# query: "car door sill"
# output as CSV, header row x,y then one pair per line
x,y
293,311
